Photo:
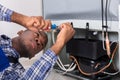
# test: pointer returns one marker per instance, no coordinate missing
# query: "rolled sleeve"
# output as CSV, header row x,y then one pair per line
x,y
5,14
50,56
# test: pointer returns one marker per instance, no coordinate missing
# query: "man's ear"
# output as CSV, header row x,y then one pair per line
x,y
20,32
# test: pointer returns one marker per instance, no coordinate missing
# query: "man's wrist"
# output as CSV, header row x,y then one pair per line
x,y
18,18
57,47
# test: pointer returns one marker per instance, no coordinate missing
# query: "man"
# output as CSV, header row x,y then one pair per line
x,y
27,44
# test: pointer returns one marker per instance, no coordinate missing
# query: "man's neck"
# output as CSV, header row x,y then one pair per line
x,y
15,45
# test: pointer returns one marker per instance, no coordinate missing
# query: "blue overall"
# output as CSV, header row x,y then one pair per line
x,y
4,62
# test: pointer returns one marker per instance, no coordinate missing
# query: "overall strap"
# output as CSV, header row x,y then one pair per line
x,y
4,62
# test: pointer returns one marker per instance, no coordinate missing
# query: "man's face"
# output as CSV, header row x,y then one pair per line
x,y
32,42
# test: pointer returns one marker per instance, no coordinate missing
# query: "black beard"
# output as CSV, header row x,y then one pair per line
x,y
25,51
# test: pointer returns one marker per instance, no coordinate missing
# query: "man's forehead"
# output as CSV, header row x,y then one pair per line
x,y
40,33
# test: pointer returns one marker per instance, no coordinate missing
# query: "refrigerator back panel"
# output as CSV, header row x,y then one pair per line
x,y
79,9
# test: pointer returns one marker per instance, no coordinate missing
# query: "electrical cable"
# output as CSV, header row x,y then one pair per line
x,y
102,14
101,70
105,26
108,45
111,73
71,66
103,39
106,10
107,39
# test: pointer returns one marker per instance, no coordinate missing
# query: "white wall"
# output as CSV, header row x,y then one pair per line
x,y
27,7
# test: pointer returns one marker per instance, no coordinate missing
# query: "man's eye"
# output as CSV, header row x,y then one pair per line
x,y
36,34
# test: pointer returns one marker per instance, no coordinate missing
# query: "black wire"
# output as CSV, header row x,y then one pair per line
x,y
106,10
102,13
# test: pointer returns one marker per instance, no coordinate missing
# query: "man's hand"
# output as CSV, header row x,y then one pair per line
x,y
65,34
38,23
33,23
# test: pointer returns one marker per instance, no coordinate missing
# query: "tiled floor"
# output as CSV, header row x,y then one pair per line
x,y
59,76
55,75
